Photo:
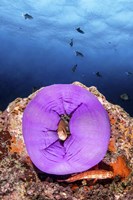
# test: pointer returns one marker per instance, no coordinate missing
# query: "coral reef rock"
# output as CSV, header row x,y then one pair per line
x,y
19,179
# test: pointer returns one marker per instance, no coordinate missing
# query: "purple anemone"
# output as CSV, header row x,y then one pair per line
x,y
89,127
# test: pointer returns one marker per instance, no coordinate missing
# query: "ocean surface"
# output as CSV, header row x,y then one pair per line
x,y
61,41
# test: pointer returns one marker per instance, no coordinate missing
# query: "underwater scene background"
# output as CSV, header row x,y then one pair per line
x,y
61,41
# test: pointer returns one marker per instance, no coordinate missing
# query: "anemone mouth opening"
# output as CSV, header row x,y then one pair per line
x,y
63,130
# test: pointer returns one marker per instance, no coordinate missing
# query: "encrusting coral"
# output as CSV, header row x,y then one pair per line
x,y
20,180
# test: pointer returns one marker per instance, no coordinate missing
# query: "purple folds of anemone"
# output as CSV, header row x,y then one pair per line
x,y
89,129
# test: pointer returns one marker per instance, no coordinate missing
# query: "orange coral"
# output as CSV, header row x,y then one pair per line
x,y
16,146
112,146
120,167
74,187
112,120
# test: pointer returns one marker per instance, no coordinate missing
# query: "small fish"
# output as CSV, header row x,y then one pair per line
x,y
27,16
79,30
34,89
90,174
74,68
71,42
124,97
128,73
63,129
98,74
62,132
78,53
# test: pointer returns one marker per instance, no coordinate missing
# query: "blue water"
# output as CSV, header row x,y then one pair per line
x,y
36,52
